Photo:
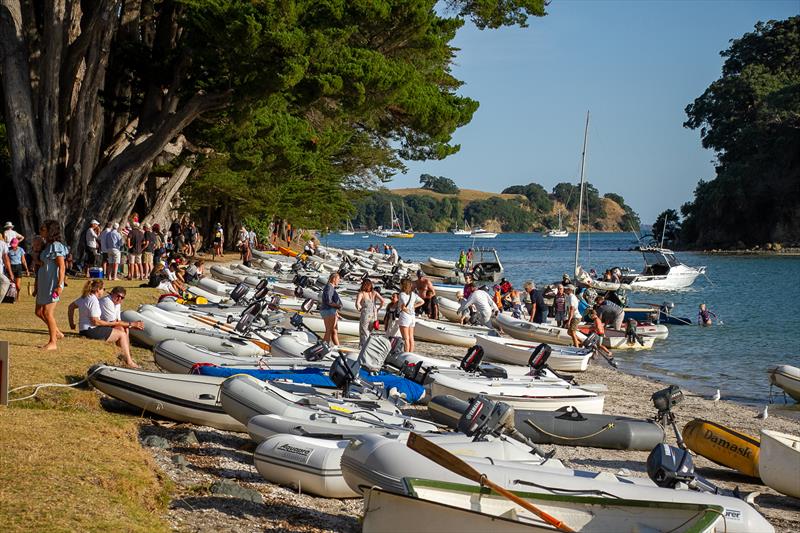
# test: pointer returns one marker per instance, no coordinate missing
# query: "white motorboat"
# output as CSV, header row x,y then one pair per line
x,y
779,462
462,231
442,506
517,352
662,271
480,233
786,377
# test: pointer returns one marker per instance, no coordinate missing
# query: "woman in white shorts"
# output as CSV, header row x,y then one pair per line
x,y
409,301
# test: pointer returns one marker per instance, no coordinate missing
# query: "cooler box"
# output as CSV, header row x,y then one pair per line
x,y
96,272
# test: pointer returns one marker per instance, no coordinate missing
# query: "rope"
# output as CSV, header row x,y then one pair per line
x,y
608,426
45,385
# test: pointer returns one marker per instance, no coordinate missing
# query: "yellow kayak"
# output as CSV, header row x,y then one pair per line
x,y
724,446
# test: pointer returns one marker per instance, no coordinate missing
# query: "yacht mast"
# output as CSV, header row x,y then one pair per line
x,y
580,197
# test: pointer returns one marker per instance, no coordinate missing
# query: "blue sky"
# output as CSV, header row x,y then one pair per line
x,y
634,64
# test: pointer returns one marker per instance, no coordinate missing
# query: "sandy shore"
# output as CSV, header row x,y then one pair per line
x,y
195,467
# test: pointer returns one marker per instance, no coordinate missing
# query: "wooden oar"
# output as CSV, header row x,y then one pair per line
x,y
439,455
228,329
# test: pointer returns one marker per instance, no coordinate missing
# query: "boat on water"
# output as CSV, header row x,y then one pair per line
x,y
480,233
560,232
398,228
349,230
445,506
662,271
462,231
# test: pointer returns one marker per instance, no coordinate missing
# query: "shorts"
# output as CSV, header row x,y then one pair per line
x,y
573,325
406,320
147,258
325,313
17,270
91,257
134,259
560,316
98,333
114,257
217,241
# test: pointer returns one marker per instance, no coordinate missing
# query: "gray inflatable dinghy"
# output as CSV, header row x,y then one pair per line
x,y
565,426
178,397
372,460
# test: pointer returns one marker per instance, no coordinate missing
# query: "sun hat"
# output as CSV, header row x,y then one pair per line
x,y
94,223
8,225
116,225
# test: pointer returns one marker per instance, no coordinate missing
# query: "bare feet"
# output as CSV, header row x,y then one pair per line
x,y
129,363
59,335
50,346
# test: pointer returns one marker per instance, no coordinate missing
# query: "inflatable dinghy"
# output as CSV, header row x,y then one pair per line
x,y
375,461
779,462
175,396
517,352
723,445
787,377
565,426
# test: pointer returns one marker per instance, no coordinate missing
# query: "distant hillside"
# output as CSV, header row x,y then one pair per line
x,y
464,195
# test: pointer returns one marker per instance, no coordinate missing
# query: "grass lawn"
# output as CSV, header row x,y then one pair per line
x,y
65,463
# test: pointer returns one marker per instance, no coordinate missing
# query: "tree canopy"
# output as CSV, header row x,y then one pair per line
x,y
536,195
110,104
438,184
750,117
668,226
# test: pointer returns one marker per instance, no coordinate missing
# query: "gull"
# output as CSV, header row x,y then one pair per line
x,y
763,414
716,397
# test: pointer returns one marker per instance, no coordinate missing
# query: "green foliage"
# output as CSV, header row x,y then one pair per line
x,y
667,223
510,213
425,212
569,195
749,117
438,184
536,194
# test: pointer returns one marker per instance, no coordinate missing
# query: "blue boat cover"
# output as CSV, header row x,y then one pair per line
x,y
317,377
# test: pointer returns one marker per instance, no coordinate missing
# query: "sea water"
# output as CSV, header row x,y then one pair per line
x,y
754,298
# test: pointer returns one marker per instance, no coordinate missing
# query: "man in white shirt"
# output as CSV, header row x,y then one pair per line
x,y
91,238
103,240
573,315
9,233
6,275
111,304
484,304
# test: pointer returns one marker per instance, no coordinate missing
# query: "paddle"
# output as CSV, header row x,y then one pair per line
x,y
444,458
228,329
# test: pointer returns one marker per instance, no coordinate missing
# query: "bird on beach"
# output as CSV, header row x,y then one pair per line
x,y
716,397
763,414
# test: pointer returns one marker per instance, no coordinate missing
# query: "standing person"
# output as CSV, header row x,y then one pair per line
x,y
329,310
469,259
461,264
114,251
560,306
16,256
394,258
174,230
6,273
573,315
218,240
609,312
9,233
514,298
600,329
252,237
136,246
368,302
390,320
91,325
247,253
539,309
190,238
159,245
103,241
148,252
50,279
408,302
704,316
484,305
91,240
427,292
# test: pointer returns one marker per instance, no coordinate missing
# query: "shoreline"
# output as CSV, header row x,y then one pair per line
x,y
220,454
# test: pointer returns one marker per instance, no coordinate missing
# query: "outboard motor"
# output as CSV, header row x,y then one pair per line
x,y
239,292
472,362
344,372
317,352
247,317
669,466
486,417
262,289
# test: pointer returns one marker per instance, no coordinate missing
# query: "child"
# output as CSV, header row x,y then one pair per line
x,y
390,322
16,256
704,316
600,329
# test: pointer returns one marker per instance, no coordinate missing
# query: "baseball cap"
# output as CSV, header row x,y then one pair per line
x,y
8,225
116,225
94,223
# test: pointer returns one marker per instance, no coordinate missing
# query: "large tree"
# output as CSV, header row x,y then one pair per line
x,y
97,93
750,117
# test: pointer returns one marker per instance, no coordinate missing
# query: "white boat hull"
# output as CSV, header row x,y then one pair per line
x,y
786,377
446,333
779,462
517,352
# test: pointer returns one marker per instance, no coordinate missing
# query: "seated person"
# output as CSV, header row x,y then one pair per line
x,y
91,324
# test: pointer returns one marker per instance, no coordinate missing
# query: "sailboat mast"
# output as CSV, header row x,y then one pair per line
x,y
580,197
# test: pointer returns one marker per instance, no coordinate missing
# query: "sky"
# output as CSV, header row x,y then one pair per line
x,y
634,65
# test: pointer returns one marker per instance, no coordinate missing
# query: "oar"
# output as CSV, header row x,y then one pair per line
x,y
439,455
228,329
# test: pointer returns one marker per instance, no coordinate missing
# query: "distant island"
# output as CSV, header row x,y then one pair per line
x,y
439,205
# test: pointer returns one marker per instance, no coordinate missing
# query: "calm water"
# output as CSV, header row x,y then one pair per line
x,y
748,294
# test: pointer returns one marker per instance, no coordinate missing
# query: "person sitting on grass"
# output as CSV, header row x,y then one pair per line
x,y
92,326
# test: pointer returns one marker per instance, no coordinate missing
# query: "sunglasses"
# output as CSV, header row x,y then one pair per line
x,y
119,296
